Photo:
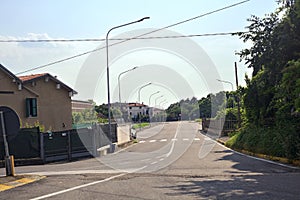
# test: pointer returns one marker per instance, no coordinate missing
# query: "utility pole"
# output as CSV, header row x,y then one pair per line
x,y
238,98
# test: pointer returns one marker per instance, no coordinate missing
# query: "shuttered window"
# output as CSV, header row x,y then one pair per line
x,y
31,107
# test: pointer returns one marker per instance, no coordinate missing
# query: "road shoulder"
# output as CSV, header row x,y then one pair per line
x,y
9,182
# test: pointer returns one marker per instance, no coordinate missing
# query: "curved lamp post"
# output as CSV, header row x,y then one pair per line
x,y
226,82
107,67
165,100
152,95
158,98
139,93
119,81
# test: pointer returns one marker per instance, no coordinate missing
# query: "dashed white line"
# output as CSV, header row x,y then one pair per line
x,y
185,139
153,163
174,139
163,140
152,141
196,139
142,141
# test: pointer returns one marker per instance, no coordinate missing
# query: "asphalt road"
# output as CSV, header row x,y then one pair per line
x,y
171,161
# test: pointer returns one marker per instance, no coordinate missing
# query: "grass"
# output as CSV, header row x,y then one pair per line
x,y
265,142
140,125
198,120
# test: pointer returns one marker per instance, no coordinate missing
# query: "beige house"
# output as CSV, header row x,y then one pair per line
x,y
37,99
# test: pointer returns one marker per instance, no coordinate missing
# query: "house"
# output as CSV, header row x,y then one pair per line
x,y
137,109
37,99
79,105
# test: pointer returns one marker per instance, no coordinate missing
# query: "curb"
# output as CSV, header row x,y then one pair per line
x,y
279,160
9,182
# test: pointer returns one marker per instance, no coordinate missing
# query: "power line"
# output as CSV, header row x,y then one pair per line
x,y
169,26
136,38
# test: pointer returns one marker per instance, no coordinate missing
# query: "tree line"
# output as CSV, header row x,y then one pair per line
x,y
271,99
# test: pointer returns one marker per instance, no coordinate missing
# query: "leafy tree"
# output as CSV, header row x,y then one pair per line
x,y
271,99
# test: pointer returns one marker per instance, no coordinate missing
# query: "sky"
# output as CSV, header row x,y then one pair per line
x,y
178,68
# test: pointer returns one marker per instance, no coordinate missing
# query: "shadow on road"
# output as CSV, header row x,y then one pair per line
x,y
246,179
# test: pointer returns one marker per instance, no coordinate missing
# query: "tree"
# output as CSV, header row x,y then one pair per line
x,y
271,98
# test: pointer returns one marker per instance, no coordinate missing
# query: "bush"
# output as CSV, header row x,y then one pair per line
x,y
264,140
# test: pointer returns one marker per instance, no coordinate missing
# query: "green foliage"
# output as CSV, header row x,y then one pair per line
x,y
102,110
140,125
86,116
102,120
36,124
198,120
274,141
270,102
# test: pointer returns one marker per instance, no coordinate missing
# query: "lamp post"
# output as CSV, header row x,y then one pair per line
x,y
165,100
226,82
158,98
119,81
151,110
152,95
107,67
139,92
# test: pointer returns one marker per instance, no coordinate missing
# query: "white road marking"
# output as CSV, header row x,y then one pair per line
x,y
49,173
142,141
186,139
173,141
163,140
145,159
78,187
153,163
197,139
152,141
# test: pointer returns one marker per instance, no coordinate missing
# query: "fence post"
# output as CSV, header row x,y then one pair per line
x,y
94,141
69,146
42,146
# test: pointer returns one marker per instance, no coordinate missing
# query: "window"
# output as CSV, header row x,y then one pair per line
x,y
31,107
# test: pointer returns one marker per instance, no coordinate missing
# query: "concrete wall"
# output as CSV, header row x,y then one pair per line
x,y
123,132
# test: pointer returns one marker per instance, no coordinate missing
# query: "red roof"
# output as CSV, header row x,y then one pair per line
x,y
136,104
33,77
30,77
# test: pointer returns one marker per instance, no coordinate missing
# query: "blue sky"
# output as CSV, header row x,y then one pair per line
x,y
91,19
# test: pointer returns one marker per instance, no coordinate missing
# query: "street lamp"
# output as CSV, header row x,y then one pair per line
x,y
152,95
119,81
226,82
139,93
107,67
158,98
165,100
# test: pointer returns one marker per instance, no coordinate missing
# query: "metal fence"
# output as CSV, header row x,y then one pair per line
x,y
30,144
225,126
